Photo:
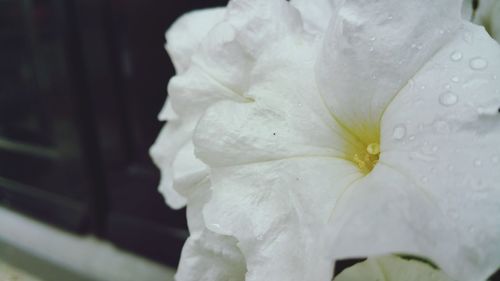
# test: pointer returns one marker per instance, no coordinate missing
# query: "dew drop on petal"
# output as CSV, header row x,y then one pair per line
x,y
455,79
478,63
448,98
456,56
399,132
477,163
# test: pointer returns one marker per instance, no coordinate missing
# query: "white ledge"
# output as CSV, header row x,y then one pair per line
x,y
87,257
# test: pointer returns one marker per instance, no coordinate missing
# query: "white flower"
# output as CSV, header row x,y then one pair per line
x,y
391,268
305,153
487,14
383,127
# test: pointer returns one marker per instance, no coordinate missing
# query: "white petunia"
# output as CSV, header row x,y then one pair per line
x,y
383,128
391,268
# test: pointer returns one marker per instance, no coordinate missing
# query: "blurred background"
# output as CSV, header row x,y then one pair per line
x,y
81,84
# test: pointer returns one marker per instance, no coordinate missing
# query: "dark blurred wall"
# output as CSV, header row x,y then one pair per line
x,y
81,84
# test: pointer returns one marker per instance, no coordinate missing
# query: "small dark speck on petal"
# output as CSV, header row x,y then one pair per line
x,y
274,134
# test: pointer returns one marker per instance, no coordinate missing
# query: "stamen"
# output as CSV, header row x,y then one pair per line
x,y
366,160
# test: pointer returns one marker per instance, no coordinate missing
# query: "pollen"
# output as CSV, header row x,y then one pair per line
x,y
367,159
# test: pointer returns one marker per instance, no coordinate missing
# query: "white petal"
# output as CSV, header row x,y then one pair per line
x,y
167,112
188,171
206,255
274,209
218,71
287,118
171,138
391,268
262,22
455,123
185,35
205,82
372,48
316,14
386,212
435,190
211,257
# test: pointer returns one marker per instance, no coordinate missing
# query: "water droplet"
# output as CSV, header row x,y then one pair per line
x,y
477,163
455,79
448,98
456,56
399,132
373,38
411,138
424,179
478,63
371,49
389,17
447,86
451,168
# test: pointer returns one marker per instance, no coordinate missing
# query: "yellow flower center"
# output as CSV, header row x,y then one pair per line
x,y
368,158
